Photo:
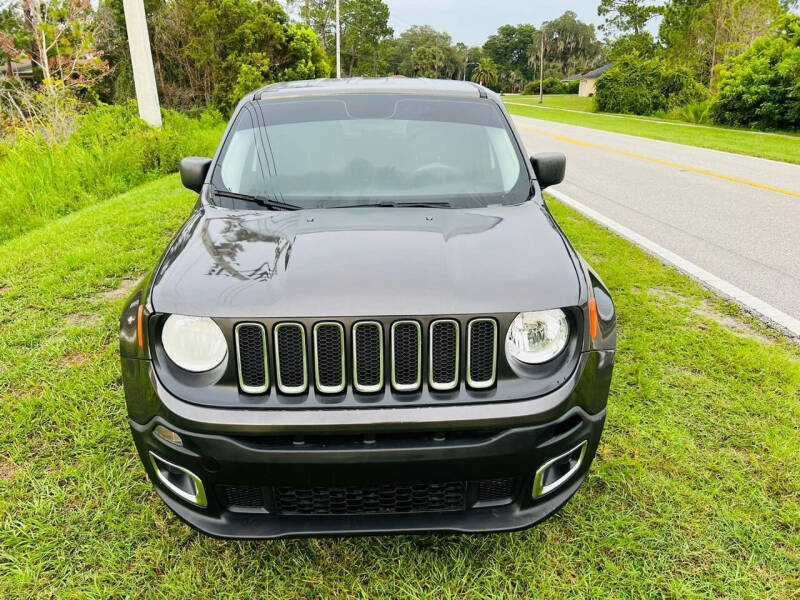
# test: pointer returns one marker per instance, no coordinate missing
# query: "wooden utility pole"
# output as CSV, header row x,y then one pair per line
x,y
144,78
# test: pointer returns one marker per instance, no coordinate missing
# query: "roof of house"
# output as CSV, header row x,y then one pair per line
x,y
594,74
572,77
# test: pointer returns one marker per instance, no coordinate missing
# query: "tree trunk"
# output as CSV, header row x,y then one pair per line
x,y
9,68
353,58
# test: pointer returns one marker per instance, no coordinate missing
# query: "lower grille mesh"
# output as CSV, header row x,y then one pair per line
x,y
421,497
242,496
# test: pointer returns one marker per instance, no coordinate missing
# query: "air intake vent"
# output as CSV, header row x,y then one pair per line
x,y
251,353
329,357
444,354
386,499
481,352
368,357
406,356
290,358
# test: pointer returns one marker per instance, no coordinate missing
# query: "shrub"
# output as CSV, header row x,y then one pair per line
x,y
551,85
109,151
696,112
643,86
761,88
572,87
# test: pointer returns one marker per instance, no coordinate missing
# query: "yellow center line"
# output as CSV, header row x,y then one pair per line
x,y
667,163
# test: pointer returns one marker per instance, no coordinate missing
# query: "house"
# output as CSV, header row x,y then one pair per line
x,y
588,80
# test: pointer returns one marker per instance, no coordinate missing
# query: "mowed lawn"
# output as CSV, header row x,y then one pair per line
x,y
572,110
695,492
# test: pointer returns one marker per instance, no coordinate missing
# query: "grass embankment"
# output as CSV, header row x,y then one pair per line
x,y
566,109
110,151
695,492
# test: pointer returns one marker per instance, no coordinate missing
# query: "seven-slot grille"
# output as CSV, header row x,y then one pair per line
x,y
331,356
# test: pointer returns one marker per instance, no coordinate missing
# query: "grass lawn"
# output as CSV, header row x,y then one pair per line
x,y
695,492
782,147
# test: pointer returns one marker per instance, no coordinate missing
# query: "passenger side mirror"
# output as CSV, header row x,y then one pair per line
x,y
193,172
549,168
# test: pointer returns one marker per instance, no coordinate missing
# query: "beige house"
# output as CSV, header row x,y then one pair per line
x,y
588,80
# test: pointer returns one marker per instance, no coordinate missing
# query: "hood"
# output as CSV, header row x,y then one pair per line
x,y
366,262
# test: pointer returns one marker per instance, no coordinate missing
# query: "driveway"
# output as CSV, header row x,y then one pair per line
x,y
735,217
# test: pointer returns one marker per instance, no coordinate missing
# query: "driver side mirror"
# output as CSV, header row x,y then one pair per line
x,y
193,172
549,168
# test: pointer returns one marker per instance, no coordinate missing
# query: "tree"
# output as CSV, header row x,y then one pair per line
x,y
570,46
211,52
761,87
485,73
509,48
364,24
700,34
11,26
440,58
627,16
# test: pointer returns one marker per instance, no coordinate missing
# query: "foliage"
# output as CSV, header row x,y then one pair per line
x,y
572,87
365,23
422,51
643,86
570,46
109,151
485,73
509,48
628,16
701,34
642,44
698,113
761,88
551,85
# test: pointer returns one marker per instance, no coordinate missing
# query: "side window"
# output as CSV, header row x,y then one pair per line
x,y
241,169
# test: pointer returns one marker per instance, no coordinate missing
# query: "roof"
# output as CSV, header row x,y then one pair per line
x,y
572,77
597,72
367,85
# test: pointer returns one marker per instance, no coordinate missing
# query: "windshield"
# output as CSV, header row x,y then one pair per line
x,y
373,149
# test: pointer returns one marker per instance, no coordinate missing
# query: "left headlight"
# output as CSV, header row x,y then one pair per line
x,y
536,337
193,343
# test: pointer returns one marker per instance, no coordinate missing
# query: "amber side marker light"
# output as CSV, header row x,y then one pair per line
x,y
140,324
593,317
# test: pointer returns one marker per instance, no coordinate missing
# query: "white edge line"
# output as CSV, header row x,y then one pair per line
x,y
721,286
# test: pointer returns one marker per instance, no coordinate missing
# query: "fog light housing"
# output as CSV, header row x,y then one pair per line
x,y
557,471
180,481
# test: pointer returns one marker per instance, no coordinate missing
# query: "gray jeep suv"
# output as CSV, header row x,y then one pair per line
x,y
370,323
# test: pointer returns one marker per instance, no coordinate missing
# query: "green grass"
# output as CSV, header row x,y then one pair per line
x,y
568,101
110,151
695,492
782,147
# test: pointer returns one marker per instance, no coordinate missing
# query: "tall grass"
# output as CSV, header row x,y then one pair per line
x,y
110,151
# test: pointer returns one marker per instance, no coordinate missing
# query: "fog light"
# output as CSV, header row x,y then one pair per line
x,y
181,482
556,471
167,435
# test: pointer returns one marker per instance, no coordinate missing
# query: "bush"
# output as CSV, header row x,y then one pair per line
x,y
697,112
572,87
761,88
643,86
109,151
551,85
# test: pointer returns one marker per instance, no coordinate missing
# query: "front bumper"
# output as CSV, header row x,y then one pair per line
x,y
354,454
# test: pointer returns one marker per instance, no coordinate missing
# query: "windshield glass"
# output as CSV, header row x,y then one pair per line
x,y
371,149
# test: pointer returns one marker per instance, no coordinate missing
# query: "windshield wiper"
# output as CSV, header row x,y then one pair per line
x,y
260,200
390,204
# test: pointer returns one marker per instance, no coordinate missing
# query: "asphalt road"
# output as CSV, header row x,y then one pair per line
x,y
735,216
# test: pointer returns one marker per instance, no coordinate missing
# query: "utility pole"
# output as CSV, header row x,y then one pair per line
x,y
144,78
338,44
466,58
541,67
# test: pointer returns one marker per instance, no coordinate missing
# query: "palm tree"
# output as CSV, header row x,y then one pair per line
x,y
485,73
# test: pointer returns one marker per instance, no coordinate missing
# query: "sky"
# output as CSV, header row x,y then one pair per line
x,y
472,21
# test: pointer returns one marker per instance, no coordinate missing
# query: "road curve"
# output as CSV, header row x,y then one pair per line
x,y
735,216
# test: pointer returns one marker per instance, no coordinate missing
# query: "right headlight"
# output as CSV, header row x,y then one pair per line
x,y
536,337
193,343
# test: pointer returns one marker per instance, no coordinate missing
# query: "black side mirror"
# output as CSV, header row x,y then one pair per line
x,y
549,168
193,172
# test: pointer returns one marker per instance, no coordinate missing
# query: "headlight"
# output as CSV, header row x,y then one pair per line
x,y
536,337
193,343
